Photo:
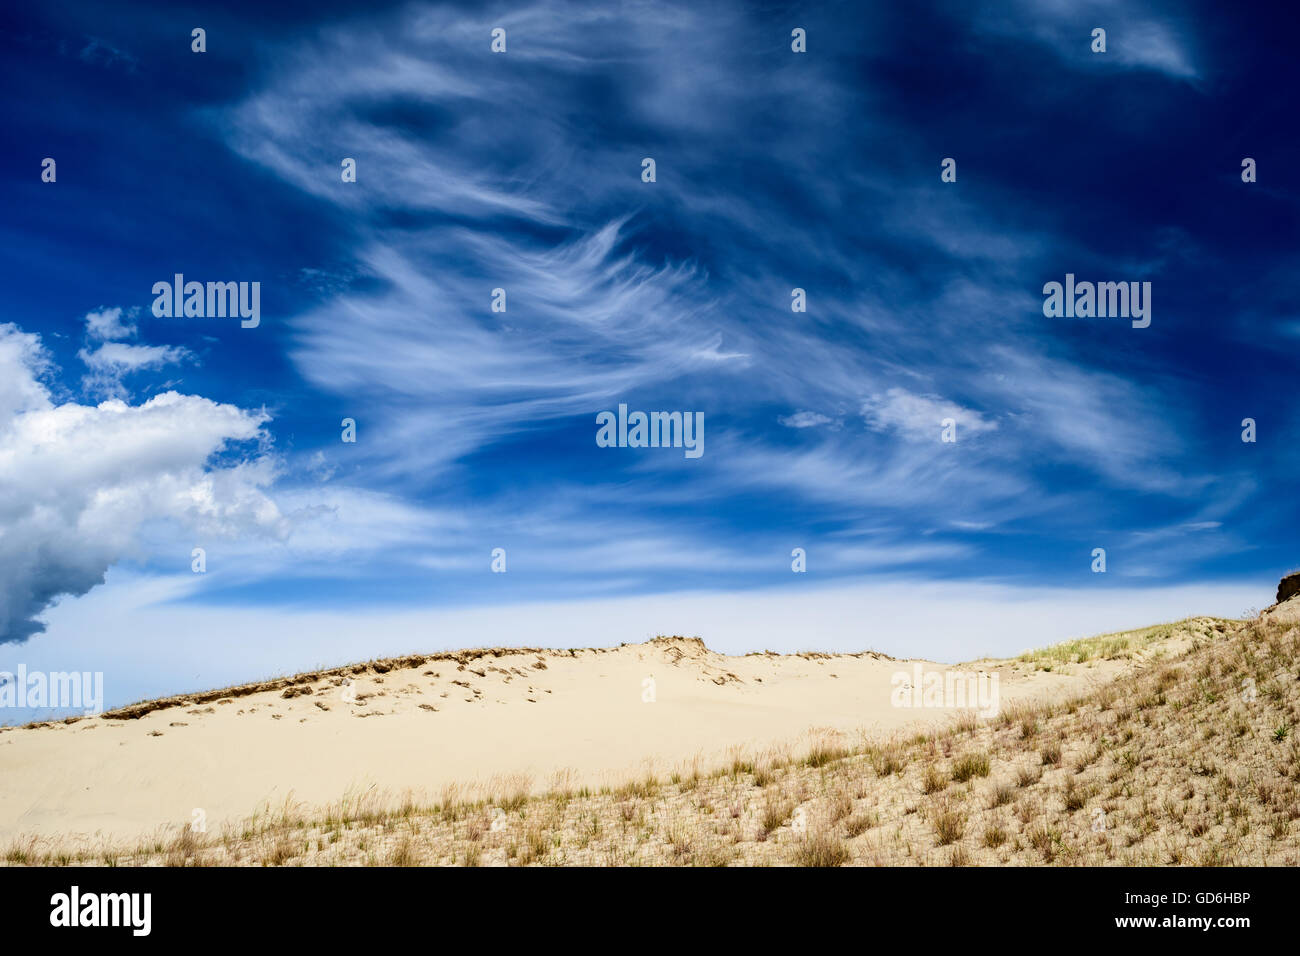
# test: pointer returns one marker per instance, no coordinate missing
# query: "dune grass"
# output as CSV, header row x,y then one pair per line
x,y
1172,763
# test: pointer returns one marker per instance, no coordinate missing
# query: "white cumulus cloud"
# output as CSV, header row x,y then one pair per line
x,y
108,324
78,482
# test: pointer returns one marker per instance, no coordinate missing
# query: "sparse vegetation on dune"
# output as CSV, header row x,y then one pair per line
x,y
1188,759
1124,645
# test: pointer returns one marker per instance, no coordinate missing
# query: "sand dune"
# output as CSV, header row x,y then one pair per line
x,y
589,717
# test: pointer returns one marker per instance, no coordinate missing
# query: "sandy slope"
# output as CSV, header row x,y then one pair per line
x,y
505,714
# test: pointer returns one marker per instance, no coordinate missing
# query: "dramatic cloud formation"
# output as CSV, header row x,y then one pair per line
x,y
77,482
522,172
677,291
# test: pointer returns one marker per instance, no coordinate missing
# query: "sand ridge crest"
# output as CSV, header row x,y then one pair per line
x,y
676,648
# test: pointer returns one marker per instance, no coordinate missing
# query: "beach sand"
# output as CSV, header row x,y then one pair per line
x,y
523,718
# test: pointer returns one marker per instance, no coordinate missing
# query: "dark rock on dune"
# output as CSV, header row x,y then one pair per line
x,y
1288,587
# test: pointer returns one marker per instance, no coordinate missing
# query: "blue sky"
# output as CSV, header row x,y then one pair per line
x,y
476,430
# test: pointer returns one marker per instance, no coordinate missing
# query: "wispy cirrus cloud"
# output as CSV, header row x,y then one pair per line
x,y
475,153
1138,36
920,417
